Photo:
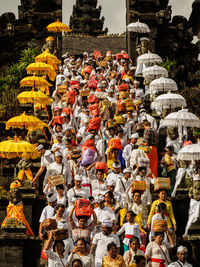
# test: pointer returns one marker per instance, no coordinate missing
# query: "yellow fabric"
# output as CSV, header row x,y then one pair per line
x,y
48,58
138,220
34,81
15,148
122,213
58,27
130,78
118,262
16,211
41,68
110,158
169,211
28,174
32,96
25,121
169,162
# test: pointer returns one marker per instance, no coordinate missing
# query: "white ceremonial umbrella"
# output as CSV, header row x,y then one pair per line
x,y
138,27
189,152
163,84
181,118
149,58
169,100
154,72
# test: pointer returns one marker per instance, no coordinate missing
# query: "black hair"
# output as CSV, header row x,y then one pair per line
x,y
57,207
83,240
59,186
158,233
99,170
58,242
131,213
161,206
110,245
138,258
68,140
77,261
136,191
110,194
134,238
82,217
142,168
171,148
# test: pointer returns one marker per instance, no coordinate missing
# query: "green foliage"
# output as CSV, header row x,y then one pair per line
x,y
168,64
27,56
9,85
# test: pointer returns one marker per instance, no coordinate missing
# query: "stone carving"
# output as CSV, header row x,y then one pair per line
x,y
86,18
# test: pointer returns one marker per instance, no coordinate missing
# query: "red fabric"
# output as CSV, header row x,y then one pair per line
x,y
129,236
66,110
92,83
88,144
58,120
93,106
115,143
88,69
97,54
44,256
93,99
121,106
142,248
75,86
101,166
126,56
71,97
186,143
94,123
161,262
153,158
95,112
74,82
119,56
83,208
123,87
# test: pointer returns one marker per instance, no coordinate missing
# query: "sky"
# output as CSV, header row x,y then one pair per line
x,y
113,10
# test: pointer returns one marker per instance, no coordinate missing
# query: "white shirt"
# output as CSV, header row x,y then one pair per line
x,y
57,169
47,158
105,213
179,264
129,229
135,154
114,176
74,192
54,260
102,241
47,213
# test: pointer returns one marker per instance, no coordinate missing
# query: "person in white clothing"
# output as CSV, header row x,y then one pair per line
x,y
116,172
59,167
103,212
47,157
47,212
77,190
182,254
129,148
101,240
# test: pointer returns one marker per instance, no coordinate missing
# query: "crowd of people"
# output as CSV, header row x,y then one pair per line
x,y
105,149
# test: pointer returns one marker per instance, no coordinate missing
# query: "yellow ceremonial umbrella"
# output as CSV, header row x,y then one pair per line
x,y
34,81
47,57
25,121
41,68
58,27
14,148
33,96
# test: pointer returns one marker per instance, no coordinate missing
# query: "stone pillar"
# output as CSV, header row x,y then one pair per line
x,y
11,256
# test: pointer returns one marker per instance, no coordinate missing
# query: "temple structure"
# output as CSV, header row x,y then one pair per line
x,y
171,37
86,19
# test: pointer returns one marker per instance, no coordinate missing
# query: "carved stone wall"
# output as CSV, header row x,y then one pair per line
x,y
76,44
